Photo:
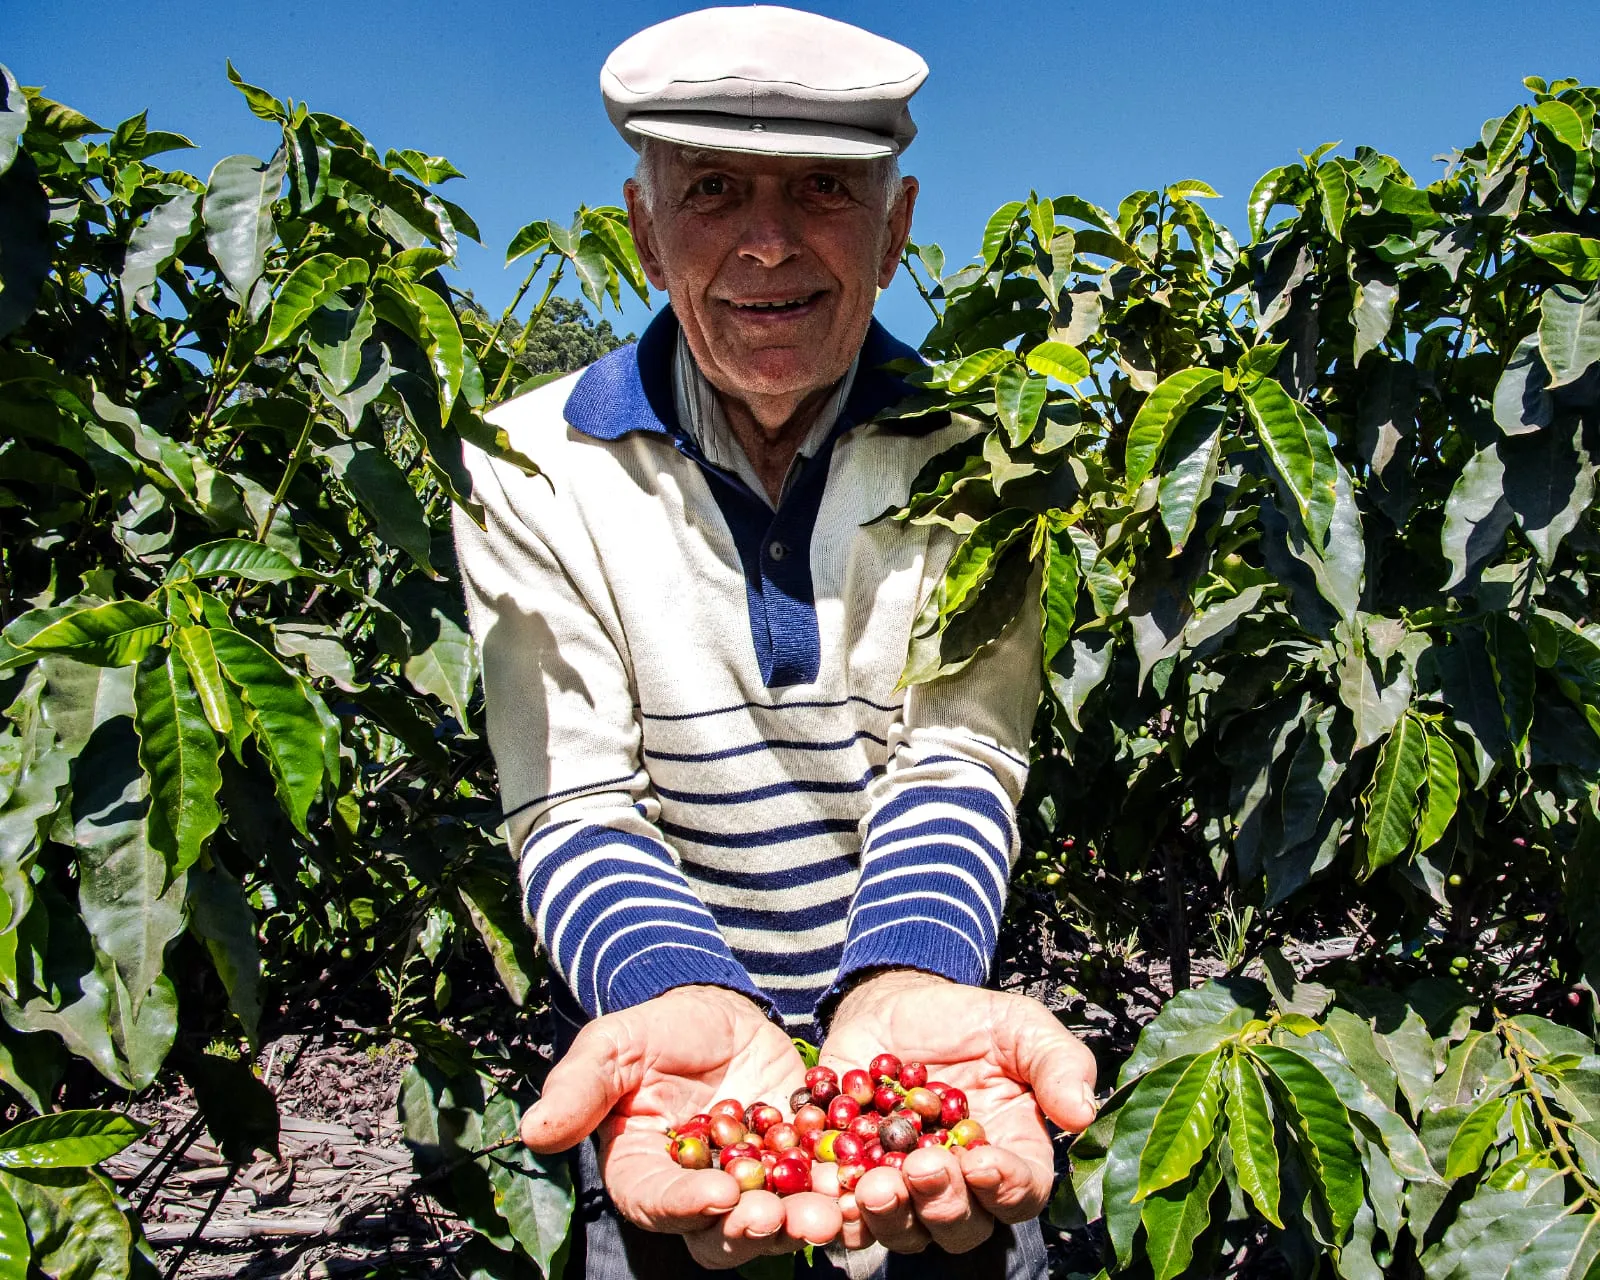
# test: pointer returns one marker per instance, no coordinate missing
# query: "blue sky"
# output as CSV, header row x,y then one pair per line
x,y
1090,97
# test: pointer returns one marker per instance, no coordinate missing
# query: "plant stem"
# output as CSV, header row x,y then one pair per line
x,y
521,343
516,301
295,459
905,261
1524,1070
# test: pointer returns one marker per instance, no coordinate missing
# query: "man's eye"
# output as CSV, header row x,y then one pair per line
x,y
825,184
713,184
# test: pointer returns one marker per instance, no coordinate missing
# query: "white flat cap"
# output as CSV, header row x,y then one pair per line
x,y
763,79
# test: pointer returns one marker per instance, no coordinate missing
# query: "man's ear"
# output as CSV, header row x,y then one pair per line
x,y
899,231
643,229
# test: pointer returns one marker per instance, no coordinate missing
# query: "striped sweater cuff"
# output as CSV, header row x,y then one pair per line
x,y
618,920
933,884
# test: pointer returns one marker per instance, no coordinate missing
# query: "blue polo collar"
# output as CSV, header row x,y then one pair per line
x,y
630,389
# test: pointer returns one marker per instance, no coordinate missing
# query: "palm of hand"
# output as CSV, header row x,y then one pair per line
x,y
964,1040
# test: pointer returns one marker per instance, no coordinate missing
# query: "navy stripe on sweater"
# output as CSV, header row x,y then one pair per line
x,y
767,706
749,748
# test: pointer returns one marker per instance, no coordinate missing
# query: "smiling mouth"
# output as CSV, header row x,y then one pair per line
x,y
776,306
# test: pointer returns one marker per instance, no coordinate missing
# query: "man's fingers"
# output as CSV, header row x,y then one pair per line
x,y
1006,1185
853,1233
581,1089
1055,1065
762,1224
652,1192
956,1222
886,1211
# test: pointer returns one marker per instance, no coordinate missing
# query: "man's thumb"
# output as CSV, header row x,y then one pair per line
x,y
578,1094
1059,1069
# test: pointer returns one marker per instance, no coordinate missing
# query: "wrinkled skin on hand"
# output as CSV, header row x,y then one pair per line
x,y
1017,1065
630,1076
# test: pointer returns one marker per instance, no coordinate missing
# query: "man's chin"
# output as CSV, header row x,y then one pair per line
x,y
780,371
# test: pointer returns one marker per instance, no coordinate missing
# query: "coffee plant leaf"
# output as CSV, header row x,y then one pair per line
x,y
1296,446
1322,1128
286,728
106,635
237,213
1220,1007
1391,796
309,286
220,915
1195,450
67,1139
1549,483
1182,1130
76,1226
1060,361
1251,1138
1018,398
1175,1217
154,245
1123,1158
179,752
1522,401
532,1193
1575,256
15,1248
1161,411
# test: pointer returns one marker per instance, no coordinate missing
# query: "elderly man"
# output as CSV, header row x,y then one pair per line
x,y
732,824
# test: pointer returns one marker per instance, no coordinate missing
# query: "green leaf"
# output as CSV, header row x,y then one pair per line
x,y
1511,659
1059,361
1565,123
241,1113
1175,1218
287,729
1297,447
1162,409
1474,1138
1194,1021
131,901
442,340
75,1222
193,645
1506,140
1573,255
998,230
179,753
1476,516
1334,186
260,102
532,1193
1193,455
536,235
26,241
105,635
1391,796
221,917
1522,402
1121,1181
1323,1124
15,1247
337,337
309,286
68,1139
237,211
1250,1136
492,905
1263,196
1058,593
1374,292
1181,1133
1569,331
976,367
387,496
442,661
1444,790
154,245
234,558
1549,483
13,117
1018,398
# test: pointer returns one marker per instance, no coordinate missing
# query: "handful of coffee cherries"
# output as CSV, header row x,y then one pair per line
x,y
859,1121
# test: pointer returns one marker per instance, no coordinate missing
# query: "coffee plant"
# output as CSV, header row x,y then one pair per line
x,y
242,778
1310,521
1311,525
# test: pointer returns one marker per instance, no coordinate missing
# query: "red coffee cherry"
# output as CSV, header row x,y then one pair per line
x,y
738,1151
858,1084
763,1116
872,1157
800,1098
886,1098
865,1127
728,1107
782,1137
884,1066
894,1159
814,1074
913,1075
849,1175
953,1108
810,1119
726,1130
925,1103
841,1111
939,1087
847,1148
934,1139
824,1092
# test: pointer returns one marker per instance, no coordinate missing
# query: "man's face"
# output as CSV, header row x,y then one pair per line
x,y
772,264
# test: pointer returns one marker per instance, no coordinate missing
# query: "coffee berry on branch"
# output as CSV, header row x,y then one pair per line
x,y
857,1121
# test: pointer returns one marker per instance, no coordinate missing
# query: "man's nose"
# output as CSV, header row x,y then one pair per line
x,y
771,234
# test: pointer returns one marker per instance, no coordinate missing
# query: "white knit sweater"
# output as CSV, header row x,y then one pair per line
x,y
707,772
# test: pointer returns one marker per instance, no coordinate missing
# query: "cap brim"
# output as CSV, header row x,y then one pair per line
x,y
766,137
